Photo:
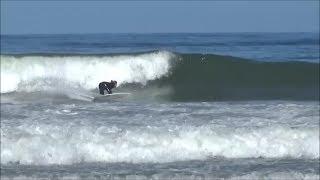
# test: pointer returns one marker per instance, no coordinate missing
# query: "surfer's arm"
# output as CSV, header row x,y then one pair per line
x,y
109,90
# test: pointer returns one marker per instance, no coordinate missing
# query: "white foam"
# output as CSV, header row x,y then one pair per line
x,y
36,73
277,176
165,175
49,144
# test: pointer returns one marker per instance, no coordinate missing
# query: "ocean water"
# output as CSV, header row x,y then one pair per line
x,y
202,106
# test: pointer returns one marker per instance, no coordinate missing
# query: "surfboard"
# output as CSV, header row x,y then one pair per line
x,y
112,96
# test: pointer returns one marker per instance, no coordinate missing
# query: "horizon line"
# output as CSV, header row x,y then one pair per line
x,y
95,33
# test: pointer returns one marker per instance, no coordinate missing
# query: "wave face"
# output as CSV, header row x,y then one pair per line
x,y
203,77
190,77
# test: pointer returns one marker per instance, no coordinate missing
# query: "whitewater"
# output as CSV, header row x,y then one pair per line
x,y
211,108
35,73
95,135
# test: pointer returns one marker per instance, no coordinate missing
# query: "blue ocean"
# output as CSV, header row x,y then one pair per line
x,y
195,106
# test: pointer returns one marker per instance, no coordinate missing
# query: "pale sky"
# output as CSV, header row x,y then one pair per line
x,y
61,17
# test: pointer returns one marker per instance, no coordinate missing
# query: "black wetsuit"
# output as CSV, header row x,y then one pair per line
x,y
106,86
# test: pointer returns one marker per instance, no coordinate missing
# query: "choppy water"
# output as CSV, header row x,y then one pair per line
x,y
216,139
189,116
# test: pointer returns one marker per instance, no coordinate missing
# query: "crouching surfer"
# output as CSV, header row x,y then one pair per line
x,y
107,86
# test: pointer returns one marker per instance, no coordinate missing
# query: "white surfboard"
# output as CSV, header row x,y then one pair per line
x,y
112,96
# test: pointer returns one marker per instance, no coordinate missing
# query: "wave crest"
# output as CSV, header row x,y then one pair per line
x,y
36,73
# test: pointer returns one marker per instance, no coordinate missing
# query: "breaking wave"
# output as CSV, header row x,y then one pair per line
x,y
36,72
190,77
47,144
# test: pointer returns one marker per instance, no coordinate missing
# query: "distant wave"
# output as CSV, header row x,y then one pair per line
x,y
190,77
262,42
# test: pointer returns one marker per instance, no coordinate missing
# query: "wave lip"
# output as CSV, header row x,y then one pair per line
x,y
44,144
36,73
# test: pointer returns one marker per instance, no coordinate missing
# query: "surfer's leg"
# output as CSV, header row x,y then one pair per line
x,y
101,88
101,91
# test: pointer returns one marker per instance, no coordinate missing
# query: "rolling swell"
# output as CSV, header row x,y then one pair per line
x,y
197,77
177,77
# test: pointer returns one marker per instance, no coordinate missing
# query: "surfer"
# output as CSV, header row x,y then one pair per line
x,y
107,86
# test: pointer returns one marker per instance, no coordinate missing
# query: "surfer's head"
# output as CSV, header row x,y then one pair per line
x,y
114,83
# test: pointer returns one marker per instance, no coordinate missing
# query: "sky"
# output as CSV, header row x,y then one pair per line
x,y
64,17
